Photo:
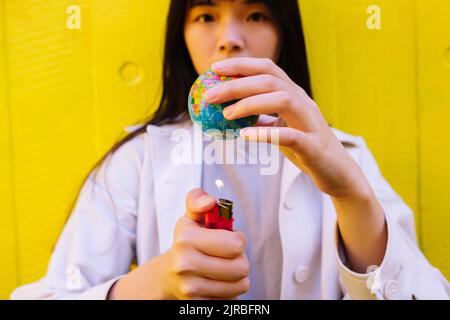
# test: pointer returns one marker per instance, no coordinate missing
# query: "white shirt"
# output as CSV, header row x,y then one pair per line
x,y
255,206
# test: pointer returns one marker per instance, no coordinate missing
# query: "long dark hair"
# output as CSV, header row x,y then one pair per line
x,y
179,73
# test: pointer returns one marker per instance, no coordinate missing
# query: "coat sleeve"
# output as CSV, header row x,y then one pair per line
x,y
97,245
404,272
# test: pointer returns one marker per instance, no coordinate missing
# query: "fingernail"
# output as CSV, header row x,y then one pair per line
x,y
228,111
210,95
218,66
248,133
204,200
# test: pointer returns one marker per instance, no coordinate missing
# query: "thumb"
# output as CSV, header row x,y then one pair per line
x,y
197,203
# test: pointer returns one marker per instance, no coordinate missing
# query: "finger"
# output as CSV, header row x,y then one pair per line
x,y
265,120
279,102
202,287
197,203
270,120
288,137
220,243
217,268
244,87
292,109
247,66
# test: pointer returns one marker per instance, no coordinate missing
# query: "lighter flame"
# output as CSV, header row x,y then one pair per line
x,y
219,184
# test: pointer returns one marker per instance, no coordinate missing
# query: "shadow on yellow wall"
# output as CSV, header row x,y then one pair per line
x,y
68,87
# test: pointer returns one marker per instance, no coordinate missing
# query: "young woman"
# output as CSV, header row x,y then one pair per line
x,y
326,225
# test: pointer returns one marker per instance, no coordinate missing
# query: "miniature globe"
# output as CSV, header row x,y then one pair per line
x,y
208,116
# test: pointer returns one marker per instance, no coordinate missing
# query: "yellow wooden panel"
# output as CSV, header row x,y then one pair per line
x,y
376,88
319,19
51,119
127,47
433,85
8,258
70,94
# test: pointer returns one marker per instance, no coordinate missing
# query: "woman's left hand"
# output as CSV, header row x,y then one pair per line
x,y
300,130
304,136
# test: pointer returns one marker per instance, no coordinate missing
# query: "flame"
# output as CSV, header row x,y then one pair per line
x,y
219,184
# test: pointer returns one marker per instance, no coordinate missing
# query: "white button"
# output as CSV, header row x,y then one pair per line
x,y
302,274
73,273
371,268
287,203
392,290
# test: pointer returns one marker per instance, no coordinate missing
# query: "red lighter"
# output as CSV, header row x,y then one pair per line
x,y
221,216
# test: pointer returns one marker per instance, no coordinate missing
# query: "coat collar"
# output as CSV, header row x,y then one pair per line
x,y
172,182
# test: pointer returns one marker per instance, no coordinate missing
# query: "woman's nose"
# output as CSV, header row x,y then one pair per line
x,y
230,38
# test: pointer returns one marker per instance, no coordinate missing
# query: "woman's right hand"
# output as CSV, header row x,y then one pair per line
x,y
201,264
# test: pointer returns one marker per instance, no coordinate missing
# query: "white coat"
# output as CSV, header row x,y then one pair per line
x,y
140,196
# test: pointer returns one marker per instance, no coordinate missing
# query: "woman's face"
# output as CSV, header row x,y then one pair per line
x,y
230,28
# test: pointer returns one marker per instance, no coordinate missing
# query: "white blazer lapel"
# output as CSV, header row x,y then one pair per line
x,y
172,181
329,274
289,173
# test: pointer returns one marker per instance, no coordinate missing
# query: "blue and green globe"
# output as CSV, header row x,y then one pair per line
x,y
209,117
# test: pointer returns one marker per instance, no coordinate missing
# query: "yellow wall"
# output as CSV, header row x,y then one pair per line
x,y
66,95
